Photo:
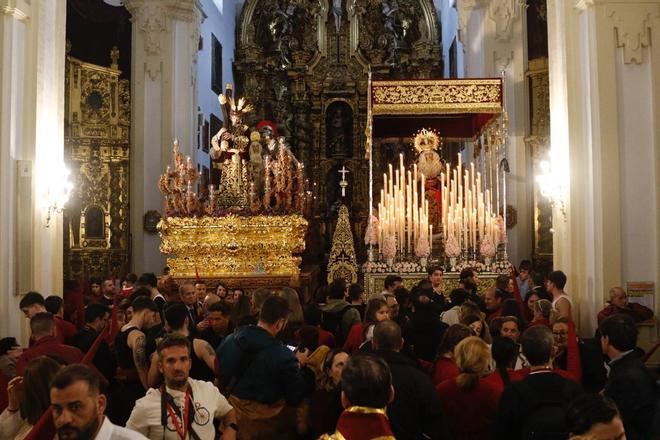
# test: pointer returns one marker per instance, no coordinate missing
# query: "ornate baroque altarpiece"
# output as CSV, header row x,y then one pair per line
x,y
96,148
305,64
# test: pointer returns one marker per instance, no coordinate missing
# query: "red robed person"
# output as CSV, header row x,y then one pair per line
x,y
366,384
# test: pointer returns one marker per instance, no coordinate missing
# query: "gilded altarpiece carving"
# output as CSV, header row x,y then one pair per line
x,y
96,146
538,144
305,64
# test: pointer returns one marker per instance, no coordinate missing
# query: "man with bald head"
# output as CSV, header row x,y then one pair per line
x,y
618,304
415,412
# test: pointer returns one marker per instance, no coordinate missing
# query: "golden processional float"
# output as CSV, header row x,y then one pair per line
x,y
468,228
247,230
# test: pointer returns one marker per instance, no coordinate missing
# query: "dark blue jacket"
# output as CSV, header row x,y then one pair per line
x,y
259,367
633,390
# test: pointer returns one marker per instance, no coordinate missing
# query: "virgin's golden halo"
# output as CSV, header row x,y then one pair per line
x,y
427,140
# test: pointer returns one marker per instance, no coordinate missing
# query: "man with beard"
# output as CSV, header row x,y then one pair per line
x,y
182,407
78,407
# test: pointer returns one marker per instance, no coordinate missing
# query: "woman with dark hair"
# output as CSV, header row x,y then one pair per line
x,y
469,401
479,326
326,404
504,352
377,311
29,398
221,291
530,299
445,367
241,312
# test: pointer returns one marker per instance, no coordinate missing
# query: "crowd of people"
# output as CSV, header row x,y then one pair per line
x,y
160,360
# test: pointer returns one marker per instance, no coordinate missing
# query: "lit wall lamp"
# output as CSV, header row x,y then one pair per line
x,y
57,192
550,186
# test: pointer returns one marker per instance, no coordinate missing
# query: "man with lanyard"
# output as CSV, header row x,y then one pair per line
x,y
183,408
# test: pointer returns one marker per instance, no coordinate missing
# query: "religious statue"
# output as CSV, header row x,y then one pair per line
x,y
230,147
338,126
428,162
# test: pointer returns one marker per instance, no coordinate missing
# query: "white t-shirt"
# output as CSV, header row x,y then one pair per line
x,y
209,404
109,431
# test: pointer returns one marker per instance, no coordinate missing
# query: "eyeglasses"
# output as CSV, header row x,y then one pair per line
x,y
560,334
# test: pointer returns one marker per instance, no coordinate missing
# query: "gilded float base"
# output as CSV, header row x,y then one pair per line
x,y
233,246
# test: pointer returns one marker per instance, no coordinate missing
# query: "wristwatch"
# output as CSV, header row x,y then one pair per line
x,y
233,426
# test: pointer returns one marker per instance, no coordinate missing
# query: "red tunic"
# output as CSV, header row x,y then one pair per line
x,y
470,413
636,311
444,369
65,330
355,337
48,346
362,423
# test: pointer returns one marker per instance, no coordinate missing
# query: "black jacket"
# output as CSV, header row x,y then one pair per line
x,y
513,409
424,332
415,410
633,389
594,374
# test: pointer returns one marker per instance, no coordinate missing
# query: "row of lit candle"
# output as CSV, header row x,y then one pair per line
x,y
403,210
467,213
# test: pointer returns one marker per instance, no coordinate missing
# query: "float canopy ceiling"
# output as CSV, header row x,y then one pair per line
x,y
456,108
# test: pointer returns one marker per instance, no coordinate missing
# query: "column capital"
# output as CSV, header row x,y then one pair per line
x,y
632,21
19,9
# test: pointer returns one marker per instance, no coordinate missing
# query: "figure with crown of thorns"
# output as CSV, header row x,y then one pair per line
x,y
230,152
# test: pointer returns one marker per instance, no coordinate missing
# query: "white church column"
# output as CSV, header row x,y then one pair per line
x,y
163,83
32,54
604,59
493,33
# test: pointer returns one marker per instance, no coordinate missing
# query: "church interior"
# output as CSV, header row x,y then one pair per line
x,y
285,144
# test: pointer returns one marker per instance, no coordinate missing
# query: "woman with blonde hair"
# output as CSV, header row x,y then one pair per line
x,y
544,314
470,402
296,317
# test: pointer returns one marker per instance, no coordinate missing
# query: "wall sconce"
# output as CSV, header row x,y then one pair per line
x,y
550,187
57,192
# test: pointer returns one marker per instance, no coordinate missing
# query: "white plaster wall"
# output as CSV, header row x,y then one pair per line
x,y
639,216
448,18
221,22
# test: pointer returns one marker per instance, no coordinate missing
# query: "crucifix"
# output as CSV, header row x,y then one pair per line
x,y
343,183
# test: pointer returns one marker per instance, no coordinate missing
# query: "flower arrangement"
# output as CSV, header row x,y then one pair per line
x,y
487,248
371,235
501,267
389,247
406,267
452,250
472,264
374,267
423,249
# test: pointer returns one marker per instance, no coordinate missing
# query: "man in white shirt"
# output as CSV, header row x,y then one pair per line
x,y
79,407
188,406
